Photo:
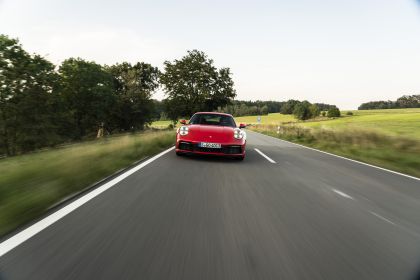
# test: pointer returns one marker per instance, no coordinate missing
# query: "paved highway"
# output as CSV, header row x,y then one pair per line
x,y
285,212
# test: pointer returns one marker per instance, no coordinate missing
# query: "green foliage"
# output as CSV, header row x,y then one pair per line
x,y
314,110
333,113
135,85
289,107
323,113
41,107
349,113
302,110
405,101
194,84
248,108
87,91
27,99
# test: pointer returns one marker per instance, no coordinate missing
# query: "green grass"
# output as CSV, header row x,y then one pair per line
x,y
160,124
273,118
393,122
31,183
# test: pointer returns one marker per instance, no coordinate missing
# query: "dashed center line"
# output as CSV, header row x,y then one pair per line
x,y
265,156
342,194
382,218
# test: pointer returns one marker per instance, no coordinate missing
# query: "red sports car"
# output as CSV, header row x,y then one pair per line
x,y
211,134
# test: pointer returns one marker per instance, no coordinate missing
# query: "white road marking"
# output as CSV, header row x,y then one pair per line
x,y
342,194
266,157
27,233
381,217
349,159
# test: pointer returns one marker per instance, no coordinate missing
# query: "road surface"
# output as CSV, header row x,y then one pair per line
x,y
285,212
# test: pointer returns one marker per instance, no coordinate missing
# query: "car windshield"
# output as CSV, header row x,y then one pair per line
x,y
213,119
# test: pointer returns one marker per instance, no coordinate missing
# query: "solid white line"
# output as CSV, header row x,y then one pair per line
x,y
342,194
382,218
27,233
353,160
266,157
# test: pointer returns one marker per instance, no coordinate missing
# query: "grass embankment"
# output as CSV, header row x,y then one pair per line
x,y
387,138
30,184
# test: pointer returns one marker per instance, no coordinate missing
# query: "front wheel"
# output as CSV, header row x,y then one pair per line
x,y
179,154
241,158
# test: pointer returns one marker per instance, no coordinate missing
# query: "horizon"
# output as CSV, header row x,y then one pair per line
x,y
344,54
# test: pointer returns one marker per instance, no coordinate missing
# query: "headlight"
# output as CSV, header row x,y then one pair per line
x,y
183,130
238,134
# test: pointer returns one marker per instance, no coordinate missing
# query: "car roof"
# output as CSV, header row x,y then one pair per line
x,y
214,113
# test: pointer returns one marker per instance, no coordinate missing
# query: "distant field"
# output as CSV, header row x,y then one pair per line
x,y
394,122
387,138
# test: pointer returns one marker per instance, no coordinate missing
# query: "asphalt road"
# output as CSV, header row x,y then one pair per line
x,y
307,216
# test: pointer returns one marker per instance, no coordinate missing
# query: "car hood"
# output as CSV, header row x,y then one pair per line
x,y
210,133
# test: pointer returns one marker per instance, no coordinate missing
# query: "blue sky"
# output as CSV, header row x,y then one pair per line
x,y
341,52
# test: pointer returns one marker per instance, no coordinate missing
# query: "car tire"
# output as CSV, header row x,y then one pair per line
x,y
241,158
179,154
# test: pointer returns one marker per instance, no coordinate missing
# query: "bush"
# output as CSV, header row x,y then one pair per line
x,y
349,113
323,113
333,113
302,111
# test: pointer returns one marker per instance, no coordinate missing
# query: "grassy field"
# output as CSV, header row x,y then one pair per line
x,y
273,118
30,184
387,138
393,122
160,124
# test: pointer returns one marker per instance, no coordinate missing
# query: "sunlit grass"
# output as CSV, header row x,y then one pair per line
x,y
160,124
274,118
31,183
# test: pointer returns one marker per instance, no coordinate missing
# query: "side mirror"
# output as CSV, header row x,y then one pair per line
x,y
242,125
183,121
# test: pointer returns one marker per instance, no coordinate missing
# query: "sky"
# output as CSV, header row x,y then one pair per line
x,y
339,52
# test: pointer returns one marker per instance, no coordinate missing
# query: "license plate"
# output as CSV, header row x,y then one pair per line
x,y
210,145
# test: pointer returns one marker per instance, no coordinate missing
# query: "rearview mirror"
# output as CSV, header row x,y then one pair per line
x,y
183,121
242,125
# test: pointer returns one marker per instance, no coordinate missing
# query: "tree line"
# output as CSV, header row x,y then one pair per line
x,y
405,101
42,104
301,109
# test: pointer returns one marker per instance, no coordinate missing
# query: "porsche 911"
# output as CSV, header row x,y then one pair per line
x,y
211,133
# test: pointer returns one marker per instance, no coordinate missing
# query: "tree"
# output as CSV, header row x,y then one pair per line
x,y
333,113
194,84
314,110
26,99
289,107
302,110
134,86
88,93
264,110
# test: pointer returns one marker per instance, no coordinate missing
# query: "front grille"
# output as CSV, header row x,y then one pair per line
x,y
185,146
233,150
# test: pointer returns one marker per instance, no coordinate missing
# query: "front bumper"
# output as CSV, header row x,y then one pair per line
x,y
183,146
